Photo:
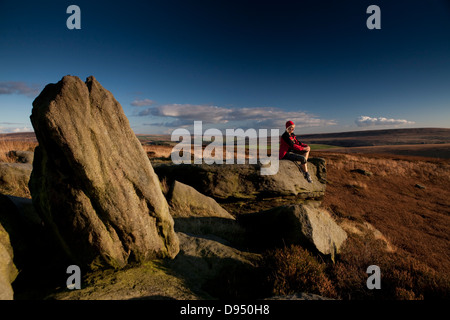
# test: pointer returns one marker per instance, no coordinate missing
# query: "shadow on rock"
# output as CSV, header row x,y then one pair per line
x,y
215,270
38,258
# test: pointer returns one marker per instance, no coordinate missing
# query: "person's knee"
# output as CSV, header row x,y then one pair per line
x,y
302,159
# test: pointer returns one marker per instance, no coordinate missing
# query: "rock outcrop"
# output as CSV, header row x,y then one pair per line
x,y
201,270
185,202
244,181
303,224
92,183
197,214
8,271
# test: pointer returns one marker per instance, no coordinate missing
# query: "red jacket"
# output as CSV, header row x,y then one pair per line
x,y
289,143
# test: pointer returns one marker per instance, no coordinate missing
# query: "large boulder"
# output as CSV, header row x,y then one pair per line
x,y
244,181
92,183
303,224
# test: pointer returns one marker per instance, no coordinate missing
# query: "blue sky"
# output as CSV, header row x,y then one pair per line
x,y
236,64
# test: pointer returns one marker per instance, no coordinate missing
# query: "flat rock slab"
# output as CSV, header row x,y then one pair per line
x,y
244,181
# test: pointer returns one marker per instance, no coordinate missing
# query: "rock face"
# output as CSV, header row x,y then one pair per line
x,y
209,265
200,271
303,224
92,183
8,271
244,181
197,214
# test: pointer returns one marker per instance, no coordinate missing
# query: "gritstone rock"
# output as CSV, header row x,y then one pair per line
x,y
197,214
92,183
185,202
8,271
244,181
303,224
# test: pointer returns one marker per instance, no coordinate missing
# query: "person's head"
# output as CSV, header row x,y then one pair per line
x,y
290,126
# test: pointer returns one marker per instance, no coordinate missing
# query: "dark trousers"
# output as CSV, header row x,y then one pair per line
x,y
295,157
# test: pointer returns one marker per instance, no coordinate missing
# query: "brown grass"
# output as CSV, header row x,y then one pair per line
x,y
155,151
417,221
402,277
441,150
412,249
164,152
10,145
293,269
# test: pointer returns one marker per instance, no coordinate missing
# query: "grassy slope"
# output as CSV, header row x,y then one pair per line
x,y
415,220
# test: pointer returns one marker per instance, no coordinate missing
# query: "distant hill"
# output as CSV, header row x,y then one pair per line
x,y
367,138
380,137
21,136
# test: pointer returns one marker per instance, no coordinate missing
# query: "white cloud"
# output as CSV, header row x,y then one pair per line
x,y
268,117
365,121
15,130
142,103
23,129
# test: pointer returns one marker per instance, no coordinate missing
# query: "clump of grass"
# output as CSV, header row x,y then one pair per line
x,y
293,269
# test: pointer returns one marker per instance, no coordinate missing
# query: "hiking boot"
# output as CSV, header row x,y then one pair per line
x,y
308,177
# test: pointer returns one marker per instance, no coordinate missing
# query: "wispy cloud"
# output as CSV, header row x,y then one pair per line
x,y
268,117
142,103
14,87
365,121
15,129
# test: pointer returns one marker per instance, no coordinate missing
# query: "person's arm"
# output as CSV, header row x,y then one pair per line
x,y
291,143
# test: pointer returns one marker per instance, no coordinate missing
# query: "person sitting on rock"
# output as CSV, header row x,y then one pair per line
x,y
292,149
